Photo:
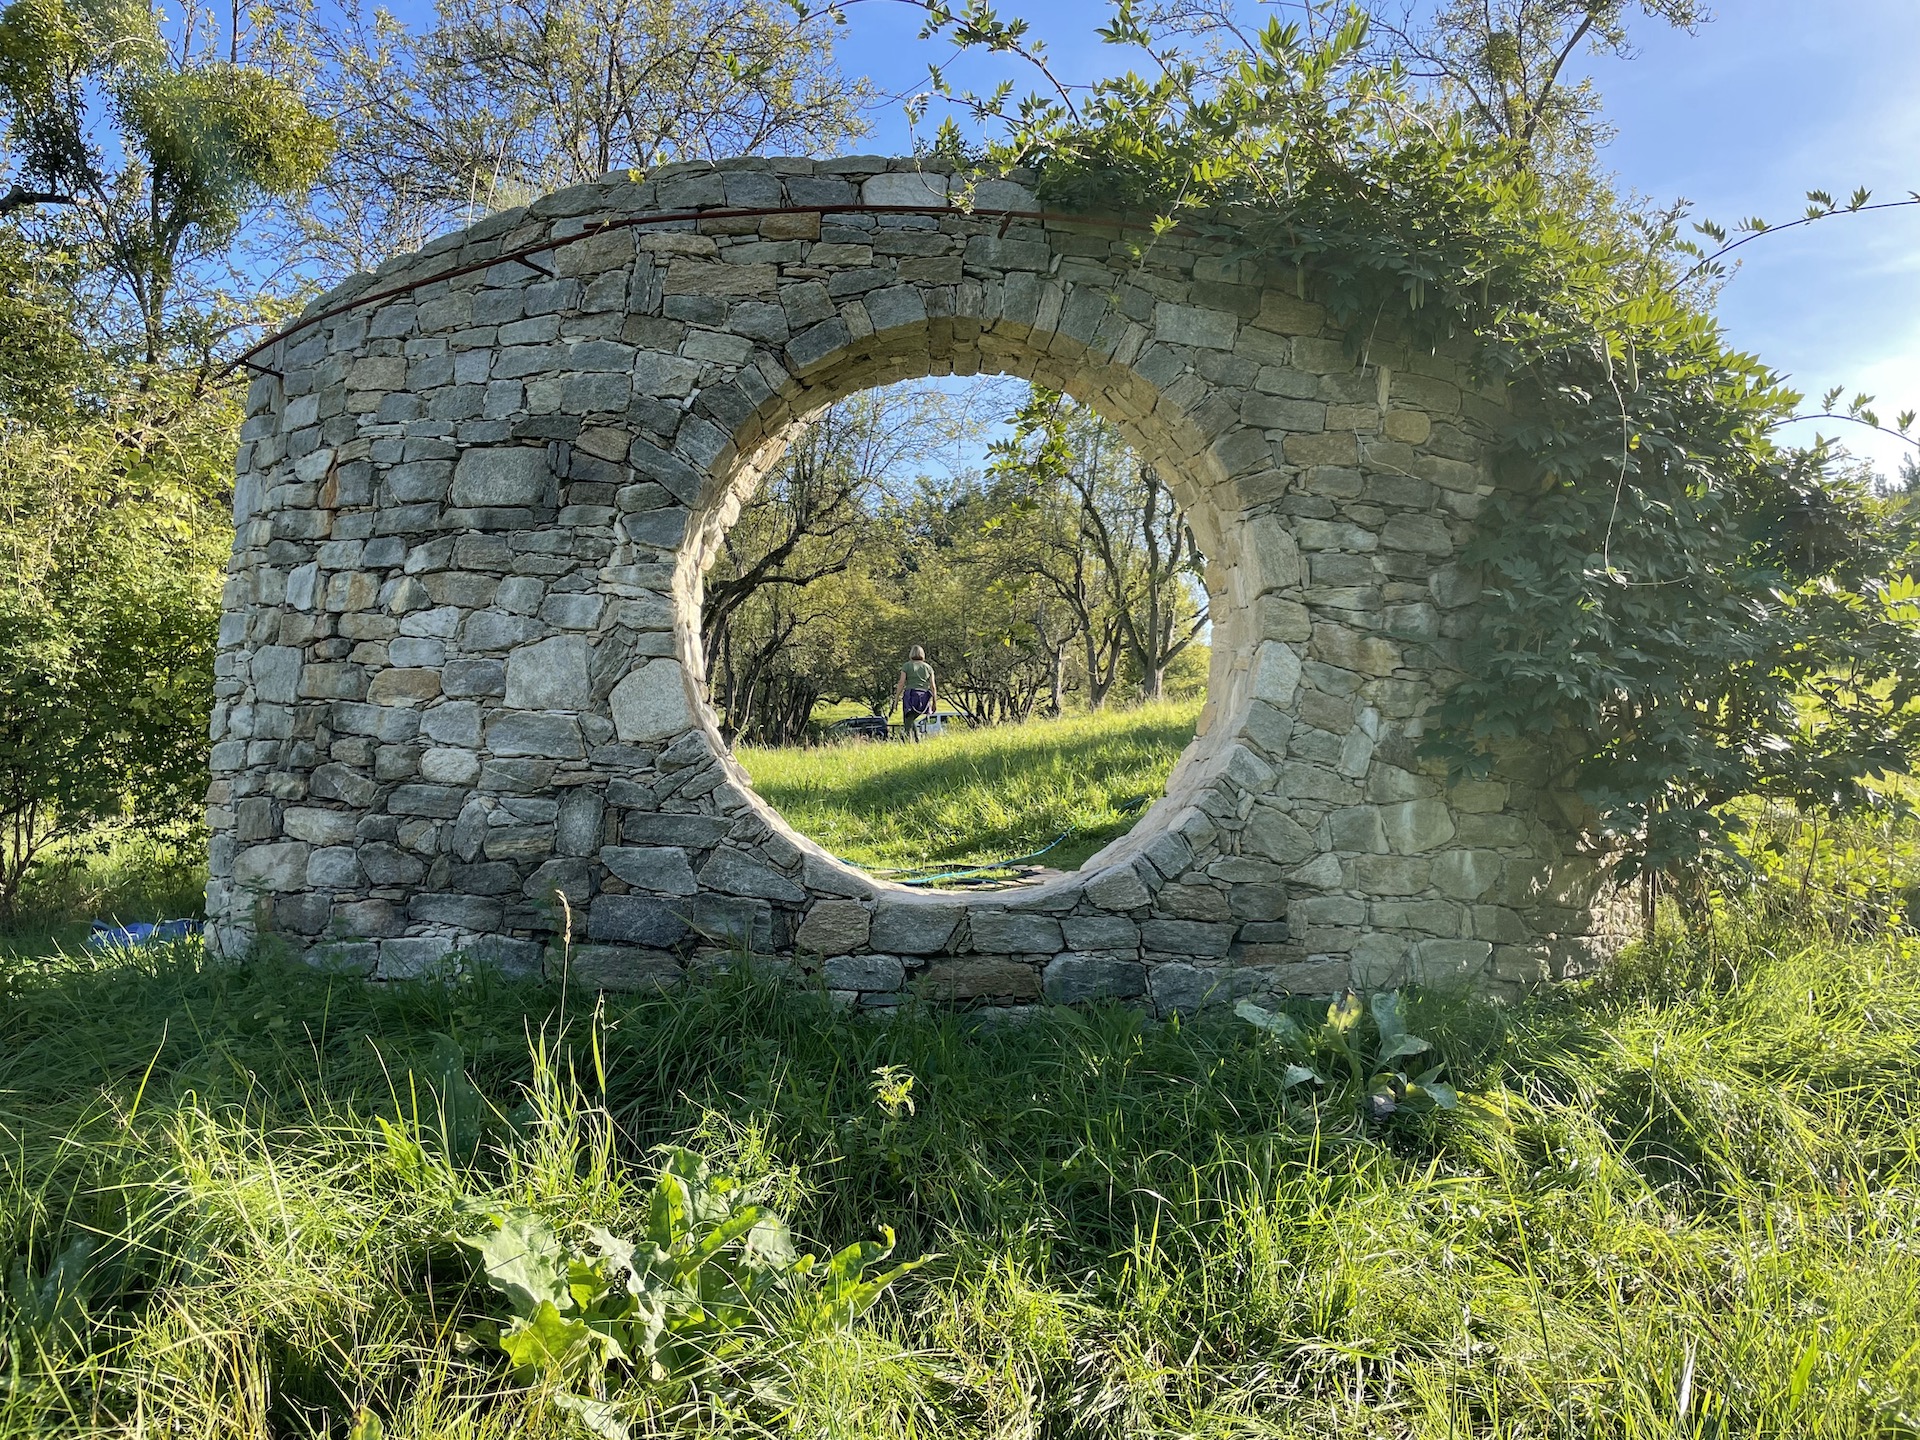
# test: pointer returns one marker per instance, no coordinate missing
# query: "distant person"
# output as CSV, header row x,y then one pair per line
x,y
916,691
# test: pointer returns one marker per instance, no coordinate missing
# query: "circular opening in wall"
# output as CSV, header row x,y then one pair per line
x,y
958,634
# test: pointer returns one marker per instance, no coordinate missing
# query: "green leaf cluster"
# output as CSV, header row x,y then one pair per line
x,y
711,1276
142,162
1358,1071
112,528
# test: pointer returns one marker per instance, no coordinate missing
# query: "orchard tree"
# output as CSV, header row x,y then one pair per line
x,y
1129,569
821,510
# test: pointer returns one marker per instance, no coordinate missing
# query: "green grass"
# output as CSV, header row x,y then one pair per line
x,y
977,796
115,875
1684,1202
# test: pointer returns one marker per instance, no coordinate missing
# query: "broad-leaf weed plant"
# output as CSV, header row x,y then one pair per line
x,y
1363,1080
710,1279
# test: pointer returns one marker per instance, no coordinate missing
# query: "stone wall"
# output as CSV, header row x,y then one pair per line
x,y
460,675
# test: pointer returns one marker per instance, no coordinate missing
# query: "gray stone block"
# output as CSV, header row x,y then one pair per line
x,y
620,967
637,920
507,475
505,955
488,877
468,912
1185,989
552,736
661,869
1074,979
281,867
1257,901
276,673
335,868
1417,825
651,704
473,677
302,914
1118,888
319,827
549,675
696,832
518,842
1100,932
734,921
1000,933
835,927
980,977
1186,937
414,958
572,878
739,874
454,722
439,802
578,822
864,972
907,927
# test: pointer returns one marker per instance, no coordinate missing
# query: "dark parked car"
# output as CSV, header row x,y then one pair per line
x,y
858,727
875,727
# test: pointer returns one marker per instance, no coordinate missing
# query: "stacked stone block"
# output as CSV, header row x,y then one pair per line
x,y
460,711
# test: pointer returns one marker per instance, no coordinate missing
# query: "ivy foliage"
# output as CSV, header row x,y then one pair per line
x,y
1678,610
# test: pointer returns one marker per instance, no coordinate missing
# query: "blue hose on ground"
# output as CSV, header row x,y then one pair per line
x,y
989,869
1125,807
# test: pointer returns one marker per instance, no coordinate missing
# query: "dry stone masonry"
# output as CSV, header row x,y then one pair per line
x,y
460,702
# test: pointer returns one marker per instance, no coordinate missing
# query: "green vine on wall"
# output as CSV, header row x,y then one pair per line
x,y
1678,611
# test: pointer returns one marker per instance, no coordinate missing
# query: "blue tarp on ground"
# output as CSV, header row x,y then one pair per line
x,y
105,935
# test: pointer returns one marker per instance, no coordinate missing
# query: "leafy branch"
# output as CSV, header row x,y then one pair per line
x,y
1820,206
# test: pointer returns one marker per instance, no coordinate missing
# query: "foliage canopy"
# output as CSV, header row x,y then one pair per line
x,y
204,142
1679,610
109,597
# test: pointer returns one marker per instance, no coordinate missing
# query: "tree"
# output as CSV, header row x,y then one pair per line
x,y
114,529
1129,534
202,142
1504,62
1679,612
1504,66
500,101
42,354
831,507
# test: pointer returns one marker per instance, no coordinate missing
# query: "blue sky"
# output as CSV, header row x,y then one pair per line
x,y
1771,99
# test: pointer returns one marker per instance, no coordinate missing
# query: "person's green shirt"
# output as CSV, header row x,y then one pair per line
x,y
919,675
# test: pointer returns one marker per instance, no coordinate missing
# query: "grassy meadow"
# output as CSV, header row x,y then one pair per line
x,y
1684,1201
972,797
117,876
